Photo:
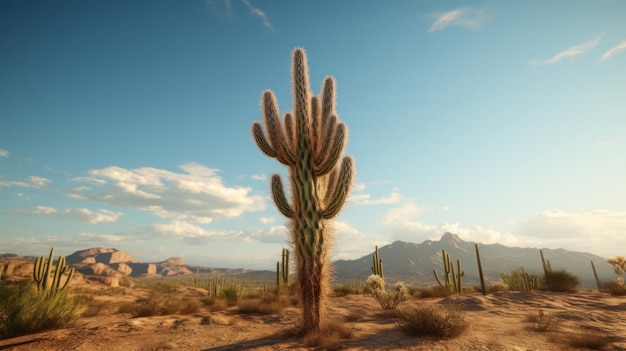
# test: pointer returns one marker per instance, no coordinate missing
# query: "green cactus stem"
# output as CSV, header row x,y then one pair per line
x,y
282,270
480,271
377,264
310,143
595,274
43,268
453,280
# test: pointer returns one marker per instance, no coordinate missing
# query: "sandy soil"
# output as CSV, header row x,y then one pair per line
x,y
498,322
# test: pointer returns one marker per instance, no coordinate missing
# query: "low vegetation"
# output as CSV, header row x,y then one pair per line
x,y
388,299
440,321
542,321
23,310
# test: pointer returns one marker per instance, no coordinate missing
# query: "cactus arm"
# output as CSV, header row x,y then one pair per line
x,y
437,278
328,158
275,130
279,197
69,277
316,125
61,267
38,272
261,141
290,132
48,269
340,193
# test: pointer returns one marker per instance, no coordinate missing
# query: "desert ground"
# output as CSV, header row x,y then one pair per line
x,y
502,320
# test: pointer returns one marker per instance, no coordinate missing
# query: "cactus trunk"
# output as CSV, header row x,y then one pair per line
x,y
310,143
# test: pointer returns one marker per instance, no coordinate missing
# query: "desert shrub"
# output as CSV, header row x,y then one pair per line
x,y
543,322
618,263
328,336
585,338
343,290
259,306
519,280
23,310
160,305
95,308
497,287
614,287
561,280
388,300
432,292
441,321
231,293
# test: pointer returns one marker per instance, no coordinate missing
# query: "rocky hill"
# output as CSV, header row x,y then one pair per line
x,y
414,263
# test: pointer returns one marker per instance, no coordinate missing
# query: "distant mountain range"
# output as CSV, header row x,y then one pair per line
x,y
402,261
414,263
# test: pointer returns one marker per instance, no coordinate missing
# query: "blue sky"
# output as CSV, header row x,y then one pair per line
x,y
126,124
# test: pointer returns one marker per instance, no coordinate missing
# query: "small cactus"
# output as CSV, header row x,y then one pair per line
x,y
43,268
453,280
480,271
377,264
282,270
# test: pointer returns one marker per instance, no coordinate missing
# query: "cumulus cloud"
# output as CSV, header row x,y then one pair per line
x,y
189,233
461,17
570,52
613,51
4,153
365,199
258,12
599,231
31,182
198,194
80,214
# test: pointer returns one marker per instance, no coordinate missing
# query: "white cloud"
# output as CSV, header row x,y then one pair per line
x,y
31,182
570,52
197,195
258,12
599,231
462,17
267,220
613,51
24,196
192,234
402,215
101,238
259,177
80,214
365,199
4,153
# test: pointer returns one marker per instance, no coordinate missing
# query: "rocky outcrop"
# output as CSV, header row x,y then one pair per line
x,y
100,255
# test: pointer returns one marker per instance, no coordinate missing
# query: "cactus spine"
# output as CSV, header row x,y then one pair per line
x,y
480,271
452,280
310,143
282,270
43,269
377,264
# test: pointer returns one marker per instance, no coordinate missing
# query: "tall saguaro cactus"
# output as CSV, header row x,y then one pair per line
x,y
310,142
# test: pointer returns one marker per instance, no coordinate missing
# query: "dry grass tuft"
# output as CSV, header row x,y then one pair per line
x,y
160,305
431,292
585,338
441,321
543,321
329,336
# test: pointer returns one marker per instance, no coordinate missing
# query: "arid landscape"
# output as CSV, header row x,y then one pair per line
x,y
112,318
